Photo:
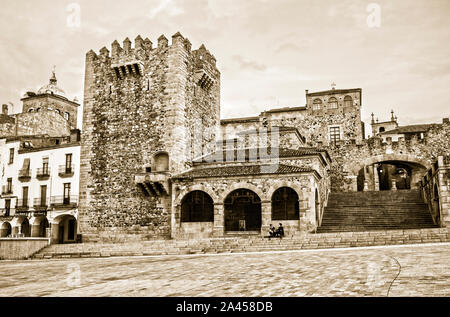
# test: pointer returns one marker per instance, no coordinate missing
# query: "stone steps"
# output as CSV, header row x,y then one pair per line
x,y
247,244
362,211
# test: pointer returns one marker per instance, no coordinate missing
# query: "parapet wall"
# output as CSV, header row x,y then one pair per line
x,y
21,248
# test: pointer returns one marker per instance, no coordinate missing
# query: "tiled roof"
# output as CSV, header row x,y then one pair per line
x,y
241,170
285,109
237,154
410,129
239,120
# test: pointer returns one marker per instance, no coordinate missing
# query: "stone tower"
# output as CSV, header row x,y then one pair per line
x,y
141,107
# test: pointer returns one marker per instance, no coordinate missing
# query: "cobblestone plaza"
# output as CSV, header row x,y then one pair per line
x,y
415,270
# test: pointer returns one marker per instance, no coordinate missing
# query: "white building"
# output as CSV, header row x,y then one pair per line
x,y
40,179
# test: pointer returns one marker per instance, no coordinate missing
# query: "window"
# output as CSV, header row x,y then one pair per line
x,y
38,109
197,206
9,185
348,101
332,103
317,104
66,116
30,110
285,204
335,134
25,196
7,207
43,195
57,111
11,155
381,129
45,166
66,197
161,162
69,163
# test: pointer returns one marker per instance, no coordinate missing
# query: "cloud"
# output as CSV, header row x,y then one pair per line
x,y
250,65
168,6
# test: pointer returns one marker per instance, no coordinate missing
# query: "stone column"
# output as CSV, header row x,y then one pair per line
x,y
219,221
266,216
376,179
394,185
35,230
54,233
15,230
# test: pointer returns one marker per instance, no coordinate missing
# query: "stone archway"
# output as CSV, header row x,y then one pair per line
x,y
39,226
390,172
64,229
5,229
242,211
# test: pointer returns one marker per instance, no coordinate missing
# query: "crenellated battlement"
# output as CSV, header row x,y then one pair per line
x,y
142,49
131,59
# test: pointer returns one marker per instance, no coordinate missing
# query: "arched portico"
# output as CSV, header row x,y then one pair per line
x,y
39,226
390,172
64,229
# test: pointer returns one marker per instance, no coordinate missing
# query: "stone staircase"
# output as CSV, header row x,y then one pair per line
x,y
246,244
380,210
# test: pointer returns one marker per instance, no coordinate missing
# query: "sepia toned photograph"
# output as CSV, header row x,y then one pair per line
x,y
227,155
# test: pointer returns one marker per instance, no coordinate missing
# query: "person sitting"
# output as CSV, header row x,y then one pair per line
x,y
272,231
280,231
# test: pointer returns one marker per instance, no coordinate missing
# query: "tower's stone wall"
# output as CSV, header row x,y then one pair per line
x,y
140,102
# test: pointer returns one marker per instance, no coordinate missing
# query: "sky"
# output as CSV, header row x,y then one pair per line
x,y
268,51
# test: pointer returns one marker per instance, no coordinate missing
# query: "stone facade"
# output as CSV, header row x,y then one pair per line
x,y
141,102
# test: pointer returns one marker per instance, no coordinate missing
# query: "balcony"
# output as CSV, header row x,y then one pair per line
x,y
43,173
155,184
66,171
24,175
7,190
40,204
7,212
22,206
64,201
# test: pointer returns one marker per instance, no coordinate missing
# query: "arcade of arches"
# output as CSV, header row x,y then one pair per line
x,y
63,229
242,210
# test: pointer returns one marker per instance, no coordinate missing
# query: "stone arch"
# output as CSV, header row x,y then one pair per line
x,y
244,185
64,228
285,204
348,101
39,226
242,211
390,157
199,187
197,206
23,224
278,185
5,229
161,162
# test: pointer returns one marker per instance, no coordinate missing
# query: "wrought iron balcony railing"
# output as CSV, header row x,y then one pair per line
x,y
7,190
43,173
63,201
24,175
22,205
66,171
7,212
40,203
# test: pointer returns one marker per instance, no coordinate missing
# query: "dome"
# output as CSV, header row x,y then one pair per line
x,y
52,88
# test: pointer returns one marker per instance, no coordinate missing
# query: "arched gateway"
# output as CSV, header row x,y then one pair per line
x,y
242,211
